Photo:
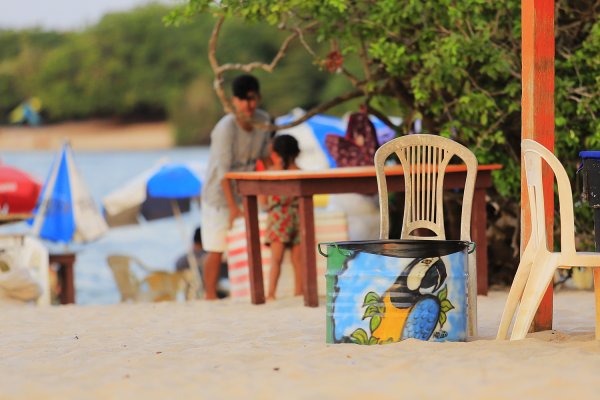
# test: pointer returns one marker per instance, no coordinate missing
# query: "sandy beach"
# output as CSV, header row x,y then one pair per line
x,y
228,350
88,135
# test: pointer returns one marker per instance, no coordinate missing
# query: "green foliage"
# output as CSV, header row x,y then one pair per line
x,y
128,63
372,298
359,336
194,113
445,306
456,64
131,66
375,310
20,55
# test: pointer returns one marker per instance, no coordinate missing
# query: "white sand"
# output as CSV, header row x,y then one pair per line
x,y
228,350
88,135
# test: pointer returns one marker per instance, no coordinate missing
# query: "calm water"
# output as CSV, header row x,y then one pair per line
x,y
158,243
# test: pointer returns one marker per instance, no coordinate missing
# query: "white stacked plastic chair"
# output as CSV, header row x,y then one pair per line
x,y
424,159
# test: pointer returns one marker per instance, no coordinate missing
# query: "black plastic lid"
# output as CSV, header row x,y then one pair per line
x,y
595,154
405,248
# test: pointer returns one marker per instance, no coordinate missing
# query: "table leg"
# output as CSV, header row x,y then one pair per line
x,y
66,276
478,230
257,289
307,244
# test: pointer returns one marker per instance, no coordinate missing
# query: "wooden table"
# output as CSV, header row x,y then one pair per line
x,y
305,184
66,275
12,218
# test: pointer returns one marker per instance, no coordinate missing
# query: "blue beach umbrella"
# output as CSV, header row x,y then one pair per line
x,y
149,193
174,181
66,211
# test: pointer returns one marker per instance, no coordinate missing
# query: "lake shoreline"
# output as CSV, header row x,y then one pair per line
x,y
89,135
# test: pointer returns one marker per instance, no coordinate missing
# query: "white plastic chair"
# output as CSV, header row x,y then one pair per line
x,y
538,263
19,251
424,159
37,258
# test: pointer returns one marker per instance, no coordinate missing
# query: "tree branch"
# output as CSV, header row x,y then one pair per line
x,y
220,69
212,58
383,118
364,58
321,108
259,65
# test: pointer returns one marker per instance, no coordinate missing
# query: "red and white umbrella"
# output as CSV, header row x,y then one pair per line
x,y
18,191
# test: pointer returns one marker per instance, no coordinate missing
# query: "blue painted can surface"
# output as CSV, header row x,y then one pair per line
x,y
389,290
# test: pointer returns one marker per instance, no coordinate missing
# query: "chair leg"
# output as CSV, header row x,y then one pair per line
x,y
514,295
539,278
597,297
472,295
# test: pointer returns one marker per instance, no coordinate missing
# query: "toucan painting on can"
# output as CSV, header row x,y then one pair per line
x,y
389,290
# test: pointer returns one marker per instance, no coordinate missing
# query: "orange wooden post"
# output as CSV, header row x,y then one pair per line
x,y
537,118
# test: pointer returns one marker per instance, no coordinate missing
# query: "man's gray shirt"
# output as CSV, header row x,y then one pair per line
x,y
233,149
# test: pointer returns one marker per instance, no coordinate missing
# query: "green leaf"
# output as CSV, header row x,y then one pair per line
x,y
446,306
360,336
375,322
371,298
443,293
371,311
484,119
442,319
373,340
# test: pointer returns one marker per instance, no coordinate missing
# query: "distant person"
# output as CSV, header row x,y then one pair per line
x,y
359,145
182,264
283,220
238,141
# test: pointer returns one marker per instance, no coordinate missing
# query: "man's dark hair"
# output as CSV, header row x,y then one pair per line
x,y
198,236
244,84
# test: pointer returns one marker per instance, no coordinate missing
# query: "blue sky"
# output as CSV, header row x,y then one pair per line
x,y
62,14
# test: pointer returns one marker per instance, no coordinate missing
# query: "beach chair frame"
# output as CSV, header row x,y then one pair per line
x,y
157,285
538,264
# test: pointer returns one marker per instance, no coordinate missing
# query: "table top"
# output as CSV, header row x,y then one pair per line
x,y
10,218
65,255
346,172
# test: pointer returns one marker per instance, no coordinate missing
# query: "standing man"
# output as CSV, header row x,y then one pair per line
x,y
237,142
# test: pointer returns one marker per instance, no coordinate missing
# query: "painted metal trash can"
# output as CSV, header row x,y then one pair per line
x,y
384,291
